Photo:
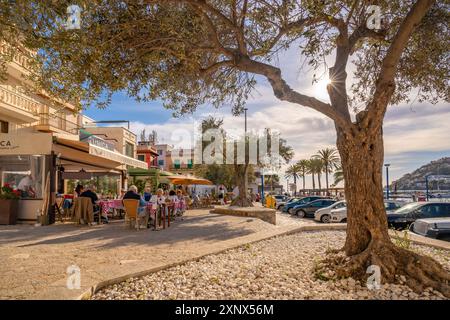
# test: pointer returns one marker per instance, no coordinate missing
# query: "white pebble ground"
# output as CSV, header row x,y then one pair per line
x,y
278,268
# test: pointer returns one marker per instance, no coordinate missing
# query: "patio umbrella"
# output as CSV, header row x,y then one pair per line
x,y
187,180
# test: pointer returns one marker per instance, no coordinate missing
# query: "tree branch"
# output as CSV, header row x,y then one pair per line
x,y
301,23
284,92
385,84
363,32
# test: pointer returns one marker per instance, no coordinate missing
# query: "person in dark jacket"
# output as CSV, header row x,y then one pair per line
x,y
133,194
89,193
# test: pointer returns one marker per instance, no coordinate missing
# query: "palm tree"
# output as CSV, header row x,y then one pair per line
x,y
293,172
330,160
316,167
303,167
338,175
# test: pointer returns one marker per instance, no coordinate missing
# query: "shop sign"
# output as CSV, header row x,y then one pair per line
x,y
25,144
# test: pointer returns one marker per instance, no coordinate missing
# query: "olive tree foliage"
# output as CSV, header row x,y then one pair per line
x,y
191,52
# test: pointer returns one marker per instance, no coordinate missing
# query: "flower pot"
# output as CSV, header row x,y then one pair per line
x,y
8,211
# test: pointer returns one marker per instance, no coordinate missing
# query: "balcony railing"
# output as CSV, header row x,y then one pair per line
x,y
58,122
18,57
19,101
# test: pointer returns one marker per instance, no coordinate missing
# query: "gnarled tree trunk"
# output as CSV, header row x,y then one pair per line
x,y
242,200
368,242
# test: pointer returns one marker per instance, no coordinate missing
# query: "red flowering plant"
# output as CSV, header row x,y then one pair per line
x,y
6,192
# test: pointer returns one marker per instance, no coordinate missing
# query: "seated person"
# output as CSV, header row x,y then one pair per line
x,y
132,193
147,194
159,199
26,187
90,193
181,203
173,196
78,190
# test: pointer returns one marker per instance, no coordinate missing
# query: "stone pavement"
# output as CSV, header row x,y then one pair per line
x,y
34,260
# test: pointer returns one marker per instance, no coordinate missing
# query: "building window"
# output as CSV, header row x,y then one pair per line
x,y
129,149
160,162
176,164
160,152
3,126
141,157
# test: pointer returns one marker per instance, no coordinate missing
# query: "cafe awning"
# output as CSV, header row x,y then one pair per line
x,y
93,155
78,152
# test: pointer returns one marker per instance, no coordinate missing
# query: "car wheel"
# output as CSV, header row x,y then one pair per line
x,y
280,208
344,220
325,218
291,211
301,213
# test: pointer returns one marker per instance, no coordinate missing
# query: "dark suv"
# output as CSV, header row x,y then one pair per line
x,y
289,207
308,209
403,217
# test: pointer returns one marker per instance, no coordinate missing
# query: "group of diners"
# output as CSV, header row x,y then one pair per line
x,y
173,202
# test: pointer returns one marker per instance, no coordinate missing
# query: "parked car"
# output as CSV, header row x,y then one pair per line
x,y
308,209
288,207
279,198
438,228
323,215
403,217
340,215
280,204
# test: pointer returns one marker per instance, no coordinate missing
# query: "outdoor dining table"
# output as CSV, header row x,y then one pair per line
x,y
153,208
107,205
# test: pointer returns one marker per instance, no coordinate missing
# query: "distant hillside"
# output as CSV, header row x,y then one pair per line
x,y
416,179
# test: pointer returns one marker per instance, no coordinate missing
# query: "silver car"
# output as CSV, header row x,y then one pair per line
x,y
438,228
340,215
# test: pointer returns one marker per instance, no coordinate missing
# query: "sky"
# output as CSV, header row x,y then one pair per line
x,y
414,133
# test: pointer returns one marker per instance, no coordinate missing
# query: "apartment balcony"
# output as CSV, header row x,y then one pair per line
x,y
20,63
18,106
57,124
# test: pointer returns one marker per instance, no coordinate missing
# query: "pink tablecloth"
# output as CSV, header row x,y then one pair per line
x,y
107,205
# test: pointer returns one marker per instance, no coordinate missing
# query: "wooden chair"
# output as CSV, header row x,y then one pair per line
x,y
131,211
59,207
83,210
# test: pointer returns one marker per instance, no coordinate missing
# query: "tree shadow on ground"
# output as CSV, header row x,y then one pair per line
x,y
207,227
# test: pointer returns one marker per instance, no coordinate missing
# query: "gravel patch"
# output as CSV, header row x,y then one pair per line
x,y
278,268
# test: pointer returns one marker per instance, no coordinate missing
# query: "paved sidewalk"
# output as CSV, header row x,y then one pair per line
x,y
34,260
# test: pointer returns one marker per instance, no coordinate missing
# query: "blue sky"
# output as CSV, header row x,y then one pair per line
x,y
414,133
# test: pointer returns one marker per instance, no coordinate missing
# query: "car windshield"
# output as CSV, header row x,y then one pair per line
x,y
408,208
339,204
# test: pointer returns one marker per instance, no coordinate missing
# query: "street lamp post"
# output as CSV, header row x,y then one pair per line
x,y
262,187
245,117
387,180
246,156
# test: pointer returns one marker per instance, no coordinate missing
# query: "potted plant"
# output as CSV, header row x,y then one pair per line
x,y
9,204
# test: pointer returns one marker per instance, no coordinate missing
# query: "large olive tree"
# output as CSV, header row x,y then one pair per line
x,y
191,52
